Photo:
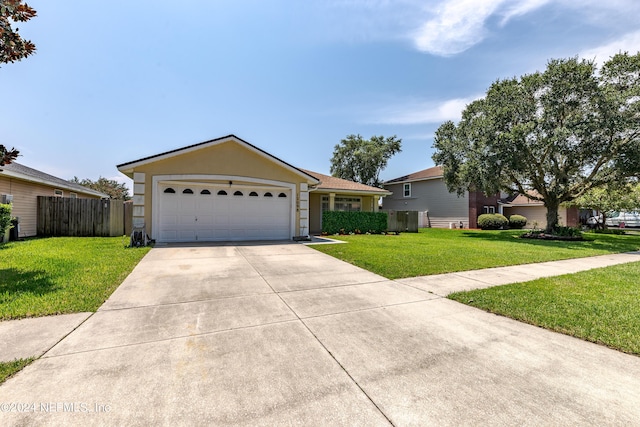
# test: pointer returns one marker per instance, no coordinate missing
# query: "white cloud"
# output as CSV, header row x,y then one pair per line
x,y
423,112
459,24
629,42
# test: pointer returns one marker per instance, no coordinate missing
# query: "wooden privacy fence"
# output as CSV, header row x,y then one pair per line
x,y
64,216
402,221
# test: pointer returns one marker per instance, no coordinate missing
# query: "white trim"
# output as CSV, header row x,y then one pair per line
x,y
404,186
430,178
55,192
157,179
131,166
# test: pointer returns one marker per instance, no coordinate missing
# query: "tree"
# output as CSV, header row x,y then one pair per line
x,y
612,198
7,155
115,190
362,160
551,136
12,46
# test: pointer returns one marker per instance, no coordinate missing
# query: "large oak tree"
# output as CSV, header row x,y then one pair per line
x,y
12,46
361,160
551,136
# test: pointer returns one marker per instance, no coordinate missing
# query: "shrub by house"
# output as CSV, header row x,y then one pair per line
x,y
334,222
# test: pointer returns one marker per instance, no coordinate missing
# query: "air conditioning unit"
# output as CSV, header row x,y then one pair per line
x,y
7,198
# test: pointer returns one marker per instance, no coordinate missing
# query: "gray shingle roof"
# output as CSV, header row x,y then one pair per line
x,y
33,175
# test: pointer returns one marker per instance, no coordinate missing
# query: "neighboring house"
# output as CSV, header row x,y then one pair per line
x,y
228,189
23,185
535,212
426,192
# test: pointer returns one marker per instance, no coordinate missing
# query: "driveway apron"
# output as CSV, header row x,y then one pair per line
x,y
280,334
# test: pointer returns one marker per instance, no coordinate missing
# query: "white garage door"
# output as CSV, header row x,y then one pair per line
x,y
190,213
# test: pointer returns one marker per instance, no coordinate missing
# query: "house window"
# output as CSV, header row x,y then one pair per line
x,y
347,204
267,194
187,191
253,194
238,193
73,195
205,192
406,189
58,193
325,203
282,195
222,193
170,190
488,209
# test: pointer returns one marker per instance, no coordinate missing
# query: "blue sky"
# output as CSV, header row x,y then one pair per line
x,y
115,81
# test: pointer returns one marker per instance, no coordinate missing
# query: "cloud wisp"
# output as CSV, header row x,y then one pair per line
x,y
629,42
422,112
457,25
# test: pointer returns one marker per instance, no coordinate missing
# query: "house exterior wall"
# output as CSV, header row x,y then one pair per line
x,y
368,204
430,195
25,201
477,202
537,215
227,158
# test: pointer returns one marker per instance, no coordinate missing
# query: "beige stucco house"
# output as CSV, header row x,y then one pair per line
x,y
426,192
228,189
22,185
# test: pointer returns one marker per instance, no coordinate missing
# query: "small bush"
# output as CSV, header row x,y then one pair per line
x,y
492,221
334,222
517,221
5,218
562,231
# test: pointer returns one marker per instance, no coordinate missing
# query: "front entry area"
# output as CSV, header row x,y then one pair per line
x,y
191,212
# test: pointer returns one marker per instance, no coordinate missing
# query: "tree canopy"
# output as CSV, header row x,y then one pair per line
x,y
612,198
115,190
7,155
361,160
12,46
551,136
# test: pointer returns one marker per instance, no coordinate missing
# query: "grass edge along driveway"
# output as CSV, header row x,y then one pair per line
x,y
437,251
600,305
48,276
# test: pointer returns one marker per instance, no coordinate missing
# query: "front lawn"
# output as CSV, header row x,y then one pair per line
x,y
600,305
435,251
40,277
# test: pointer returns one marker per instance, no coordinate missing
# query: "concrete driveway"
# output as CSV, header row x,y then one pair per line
x,y
274,334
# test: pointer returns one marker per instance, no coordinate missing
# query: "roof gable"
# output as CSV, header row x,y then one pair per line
x,y
128,167
423,175
25,173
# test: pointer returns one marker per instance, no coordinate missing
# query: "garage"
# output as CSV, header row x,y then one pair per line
x,y
191,212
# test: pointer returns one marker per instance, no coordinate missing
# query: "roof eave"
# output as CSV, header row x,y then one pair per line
x,y
73,189
413,180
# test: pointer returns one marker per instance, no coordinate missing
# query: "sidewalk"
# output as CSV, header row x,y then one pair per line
x,y
444,284
35,336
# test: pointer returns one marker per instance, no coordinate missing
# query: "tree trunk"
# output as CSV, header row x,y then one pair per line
x,y
552,214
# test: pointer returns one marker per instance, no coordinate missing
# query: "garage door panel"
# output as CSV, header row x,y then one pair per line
x,y
209,216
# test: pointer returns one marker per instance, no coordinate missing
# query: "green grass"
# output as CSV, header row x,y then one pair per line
x,y
40,277
600,305
7,369
434,251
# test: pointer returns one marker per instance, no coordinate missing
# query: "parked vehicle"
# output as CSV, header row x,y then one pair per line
x,y
594,221
623,219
